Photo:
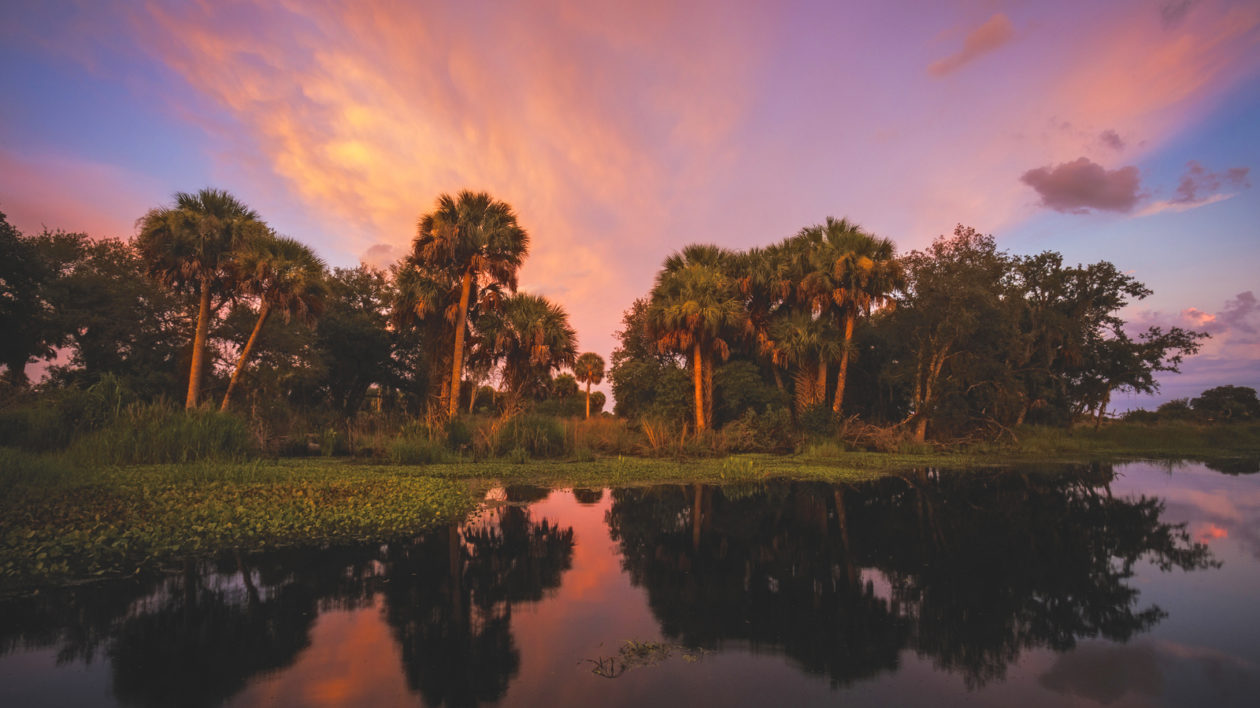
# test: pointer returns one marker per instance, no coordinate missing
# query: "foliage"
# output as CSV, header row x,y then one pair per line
x,y
155,433
536,435
1227,403
89,521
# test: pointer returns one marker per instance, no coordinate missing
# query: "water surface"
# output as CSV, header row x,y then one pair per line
x,y
1132,585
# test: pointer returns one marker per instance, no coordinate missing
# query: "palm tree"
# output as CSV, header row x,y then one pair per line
x,y
807,343
188,247
694,310
530,337
850,272
589,369
286,276
473,240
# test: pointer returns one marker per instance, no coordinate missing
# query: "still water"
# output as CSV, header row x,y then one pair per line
x,y
1130,585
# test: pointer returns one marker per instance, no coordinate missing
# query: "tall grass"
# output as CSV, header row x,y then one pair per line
x,y
156,433
538,435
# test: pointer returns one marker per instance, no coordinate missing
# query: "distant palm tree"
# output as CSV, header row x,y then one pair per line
x,y
188,247
850,272
473,241
696,310
286,276
589,369
530,336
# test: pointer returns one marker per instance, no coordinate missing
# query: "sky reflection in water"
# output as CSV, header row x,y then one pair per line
x,y
995,588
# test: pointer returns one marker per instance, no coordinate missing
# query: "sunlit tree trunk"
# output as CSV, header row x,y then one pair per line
x,y
708,389
457,365
820,389
588,399
697,366
199,346
263,311
849,321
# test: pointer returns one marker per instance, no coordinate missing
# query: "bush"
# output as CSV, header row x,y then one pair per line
x,y
769,431
539,436
416,449
57,418
1141,415
154,433
606,434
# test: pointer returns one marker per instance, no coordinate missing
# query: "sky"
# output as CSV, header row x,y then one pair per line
x,y
1126,131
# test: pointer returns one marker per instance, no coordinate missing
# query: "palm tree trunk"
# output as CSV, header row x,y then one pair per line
x,y
697,366
199,346
820,394
849,321
588,399
263,311
708,389
457,364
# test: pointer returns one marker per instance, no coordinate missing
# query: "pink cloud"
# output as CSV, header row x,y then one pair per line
x,y
995,32
1081,185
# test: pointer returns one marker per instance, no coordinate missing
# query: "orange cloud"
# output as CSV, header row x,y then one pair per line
x,y
368,111
995,32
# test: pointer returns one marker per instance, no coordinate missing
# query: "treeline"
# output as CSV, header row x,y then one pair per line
x,y
209,306
828,329
954,339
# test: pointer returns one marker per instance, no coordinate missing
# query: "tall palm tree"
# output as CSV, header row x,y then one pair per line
x,y
696,310
473,240
530,336
286,276
589,369
188,247
850,272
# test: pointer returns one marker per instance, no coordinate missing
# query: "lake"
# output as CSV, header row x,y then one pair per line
x,y
1126,585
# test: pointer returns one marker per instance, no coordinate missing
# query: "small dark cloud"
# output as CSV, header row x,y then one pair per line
x,y
381,256
1078,186
1173,12
1198,185
1112,139
1242,314
995,32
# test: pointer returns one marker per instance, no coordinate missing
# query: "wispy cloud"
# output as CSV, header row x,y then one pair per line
x,y
995,32
1199,187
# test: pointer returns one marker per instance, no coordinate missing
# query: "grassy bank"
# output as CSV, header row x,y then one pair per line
x,y
62,519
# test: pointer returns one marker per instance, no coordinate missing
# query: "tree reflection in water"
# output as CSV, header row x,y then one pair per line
x,y
196,638
974,568
450,598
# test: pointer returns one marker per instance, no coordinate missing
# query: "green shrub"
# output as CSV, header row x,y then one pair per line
x,y
517,456
540,436
770,431
156,433
459,435
58,417
417,450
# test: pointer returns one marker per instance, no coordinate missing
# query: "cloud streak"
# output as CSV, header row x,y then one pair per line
x,y
995,32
